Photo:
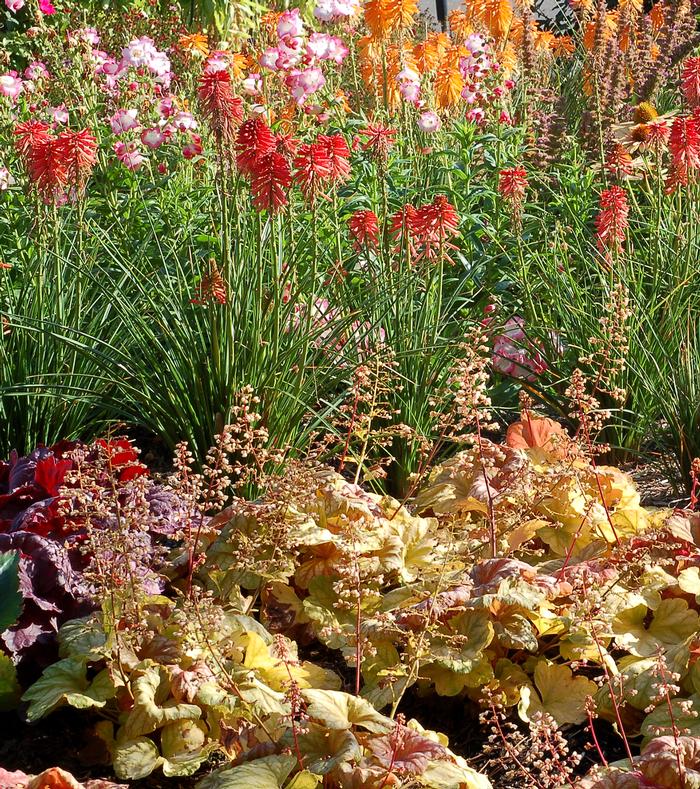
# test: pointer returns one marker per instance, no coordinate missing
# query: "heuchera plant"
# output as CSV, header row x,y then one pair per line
x,y
40,519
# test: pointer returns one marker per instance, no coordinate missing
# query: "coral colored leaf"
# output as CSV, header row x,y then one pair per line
x,y
270,772
561,694
406,750
534,431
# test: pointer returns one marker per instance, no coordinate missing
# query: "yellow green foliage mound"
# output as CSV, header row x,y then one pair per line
x,y
523,579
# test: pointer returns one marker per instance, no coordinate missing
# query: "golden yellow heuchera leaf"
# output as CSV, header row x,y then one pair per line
x,y
277,673
671,624
559,693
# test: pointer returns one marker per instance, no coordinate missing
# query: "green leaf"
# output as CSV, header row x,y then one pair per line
x,y
148,714
185,746
448,775
80,638
9,687
66,682
270,772
305,780
135,759
338,710
10,597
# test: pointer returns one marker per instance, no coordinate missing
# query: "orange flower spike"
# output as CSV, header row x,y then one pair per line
x,y
448,80
656,17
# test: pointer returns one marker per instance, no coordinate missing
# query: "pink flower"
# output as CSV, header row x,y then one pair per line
x,y
46,7
193,148
123,121
166,108
152,138
10,85
290,24
269,58
14,5
36,70
515,354
217,61
303,83
139,52
6,179
429,122
325,47
129,155
332,10
184,121
252,85
476,115
59,115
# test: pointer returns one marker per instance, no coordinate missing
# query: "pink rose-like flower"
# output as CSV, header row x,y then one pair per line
x,y
252,85
59,115
14,5
139,52
514,354
129,155
10,85
429,122
36,70
46,7
152,138
193,148
304,83
268,59
217,61
290,23
6,179
324,47
184,121
123,121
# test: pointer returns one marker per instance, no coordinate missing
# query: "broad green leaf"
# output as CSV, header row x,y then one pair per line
x,y
148,713
135,759
305,780
337,710
184,745
9,687
66,682
561,694
324,750
686,720
81,638
275,673
672,623
10,596
448,775
270,772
